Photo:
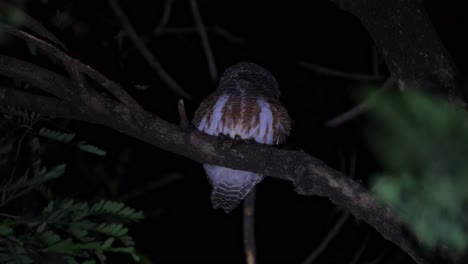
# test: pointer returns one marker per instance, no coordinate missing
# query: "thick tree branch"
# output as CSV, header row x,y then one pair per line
x,y
44,79
75,65
309,175
410,46
39,103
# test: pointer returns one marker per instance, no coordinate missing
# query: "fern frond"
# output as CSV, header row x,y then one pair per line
x,y
13,189
56,135
6,146
91,149
79,231
67,138
19,115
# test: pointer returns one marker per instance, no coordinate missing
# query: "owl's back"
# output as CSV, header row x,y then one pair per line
x,y
244,106
264,120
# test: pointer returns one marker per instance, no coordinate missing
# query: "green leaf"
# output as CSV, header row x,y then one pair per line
x,y
41,227
5,230
108,243
91,149
422,142
56,135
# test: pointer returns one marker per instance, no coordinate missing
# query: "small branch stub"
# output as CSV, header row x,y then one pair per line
x,y
184,123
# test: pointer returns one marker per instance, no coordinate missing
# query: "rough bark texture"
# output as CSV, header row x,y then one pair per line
x,y
409,44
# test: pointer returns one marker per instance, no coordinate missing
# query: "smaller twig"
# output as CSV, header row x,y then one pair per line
x,y
360,108
9,215
379,257
20,142
179,30
145,52
151,186
36,27
324,244
249,227
31,24
184,123
360,250
375,61
352,164
341,74
228,35
110,86
204,39
165,17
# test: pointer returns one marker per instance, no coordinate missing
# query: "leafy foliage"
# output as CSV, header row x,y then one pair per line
x,y
65,229
423,144
19,116
11,189
76,230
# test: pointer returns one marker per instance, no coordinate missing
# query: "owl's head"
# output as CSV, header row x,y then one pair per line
x,y
250,79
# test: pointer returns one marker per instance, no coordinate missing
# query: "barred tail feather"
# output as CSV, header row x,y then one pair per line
x,y
228,197
229,186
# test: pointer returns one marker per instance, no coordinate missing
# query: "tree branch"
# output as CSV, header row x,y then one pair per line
x,y
360,108
204,39
327,239
75,65
44,79
248,227
152,61
410,46
341,74
309,175
39,103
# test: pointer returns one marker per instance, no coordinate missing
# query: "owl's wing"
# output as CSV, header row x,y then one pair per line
x,y
264,120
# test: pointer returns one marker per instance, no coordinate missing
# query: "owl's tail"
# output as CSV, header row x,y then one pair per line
x,y
229,186
228,197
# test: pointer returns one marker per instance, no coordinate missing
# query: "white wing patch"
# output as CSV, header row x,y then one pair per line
x,y
265,131
258,126
215,126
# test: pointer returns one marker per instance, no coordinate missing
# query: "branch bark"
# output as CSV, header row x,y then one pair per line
x,y
410,45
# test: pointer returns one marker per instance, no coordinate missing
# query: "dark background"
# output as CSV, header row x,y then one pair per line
x,y
180,225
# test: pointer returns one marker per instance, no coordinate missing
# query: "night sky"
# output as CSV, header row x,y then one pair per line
x,y
181,225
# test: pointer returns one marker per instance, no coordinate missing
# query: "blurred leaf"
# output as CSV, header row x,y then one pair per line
x,y
62,19
12,16
422,142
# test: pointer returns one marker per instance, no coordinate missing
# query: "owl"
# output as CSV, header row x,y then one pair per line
x,y
244,106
